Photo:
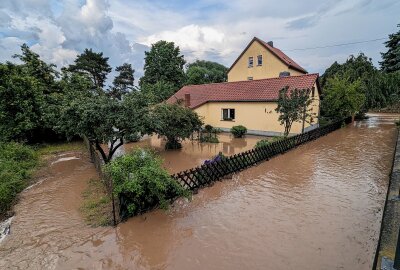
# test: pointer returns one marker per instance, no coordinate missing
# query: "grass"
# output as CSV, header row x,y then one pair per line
x,y
17,163
54,148
96,207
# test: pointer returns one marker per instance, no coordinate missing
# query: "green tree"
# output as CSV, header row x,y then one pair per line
x,y
355,68
203,72
391,58
94,65
35,67
174,122
293,107
164,62
342,98
123,82
104,120
159,91
21,103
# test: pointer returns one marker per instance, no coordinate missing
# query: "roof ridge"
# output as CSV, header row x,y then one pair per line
x,y
249,81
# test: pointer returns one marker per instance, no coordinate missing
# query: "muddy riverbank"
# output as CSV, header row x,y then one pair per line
x,y
316,207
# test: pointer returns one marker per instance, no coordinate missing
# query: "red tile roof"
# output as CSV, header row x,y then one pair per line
x,y
256,90
278,53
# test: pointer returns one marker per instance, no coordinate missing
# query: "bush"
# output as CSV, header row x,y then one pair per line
x,y
238,131
143,182
16,164
133,137
397,122
209,134
265,142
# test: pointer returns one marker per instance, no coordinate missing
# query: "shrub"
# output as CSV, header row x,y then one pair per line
x,y
397,122
133,137
209,134
238,131
16,164
144,183
265,142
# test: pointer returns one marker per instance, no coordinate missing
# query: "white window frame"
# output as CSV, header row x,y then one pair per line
x,y
251,62
229,113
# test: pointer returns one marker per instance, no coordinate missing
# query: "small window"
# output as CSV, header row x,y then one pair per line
x,y
228,114
250,62
313,92
259,60
249,78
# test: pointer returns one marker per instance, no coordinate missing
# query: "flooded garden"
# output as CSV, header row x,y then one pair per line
x,y
318,206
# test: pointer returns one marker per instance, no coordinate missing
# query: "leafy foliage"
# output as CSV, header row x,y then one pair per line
x,y
159,91
391,58
16,164
123,82
104,119
93,65
174,122
342,98
202,72
209,134
293,107
238,131
140,176
163,62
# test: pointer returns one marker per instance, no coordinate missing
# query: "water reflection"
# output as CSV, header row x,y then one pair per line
x,y
315,207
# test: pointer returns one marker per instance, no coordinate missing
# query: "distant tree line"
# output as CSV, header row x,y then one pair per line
x,y
356,86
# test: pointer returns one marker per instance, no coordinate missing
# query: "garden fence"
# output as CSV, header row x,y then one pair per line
x,y
206,174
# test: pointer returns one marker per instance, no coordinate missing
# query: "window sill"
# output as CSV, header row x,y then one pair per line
x,y
228,120
259,65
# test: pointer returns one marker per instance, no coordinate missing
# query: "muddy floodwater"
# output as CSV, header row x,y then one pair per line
x,y
194,153
316,207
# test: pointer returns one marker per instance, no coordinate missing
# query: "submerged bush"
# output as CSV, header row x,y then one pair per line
x,y
209,134
140,178
265,142
238,131
16,164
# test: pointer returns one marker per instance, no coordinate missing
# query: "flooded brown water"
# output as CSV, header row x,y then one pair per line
x,y
194,153
316,207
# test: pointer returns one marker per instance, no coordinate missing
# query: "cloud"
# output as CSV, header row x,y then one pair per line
x,y
214,30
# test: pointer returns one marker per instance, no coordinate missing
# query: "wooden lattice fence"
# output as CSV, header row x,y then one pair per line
x,y
206,174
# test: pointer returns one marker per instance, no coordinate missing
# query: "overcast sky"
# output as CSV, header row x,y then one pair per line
x,y
213,30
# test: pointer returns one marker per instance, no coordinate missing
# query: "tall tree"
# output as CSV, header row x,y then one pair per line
x,y
94,65
293,107
164,62
355,68
123,82
391,58
37,68
104,120
202,72
342,98
159,91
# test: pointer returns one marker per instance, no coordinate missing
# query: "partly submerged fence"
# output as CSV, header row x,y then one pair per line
x,y
106,179
206,174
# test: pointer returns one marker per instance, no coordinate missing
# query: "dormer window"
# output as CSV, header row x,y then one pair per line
x,y
259,60
250,62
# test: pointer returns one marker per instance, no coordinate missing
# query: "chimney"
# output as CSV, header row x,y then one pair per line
x,y
187,100
270,43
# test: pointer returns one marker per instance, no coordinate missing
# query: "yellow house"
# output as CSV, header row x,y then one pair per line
x,y
261,60
249,98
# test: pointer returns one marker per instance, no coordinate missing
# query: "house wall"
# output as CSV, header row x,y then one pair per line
x,y
257,117
270,68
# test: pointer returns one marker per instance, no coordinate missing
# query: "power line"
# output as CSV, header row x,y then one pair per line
x,y
336,45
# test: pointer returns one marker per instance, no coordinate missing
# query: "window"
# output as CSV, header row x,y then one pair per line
x,y
228,114
249,78
250,62
259,60
313,92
